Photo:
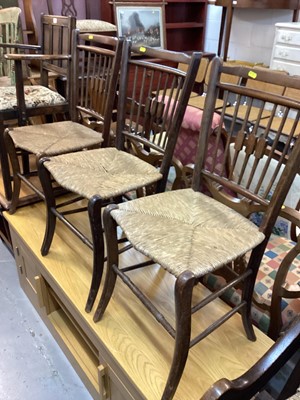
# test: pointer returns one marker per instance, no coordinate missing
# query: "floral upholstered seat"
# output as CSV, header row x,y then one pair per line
x,y
35,96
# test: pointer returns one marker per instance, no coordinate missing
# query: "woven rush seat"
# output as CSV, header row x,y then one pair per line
x,y
296,396
35,96
95,167
55,138
210,244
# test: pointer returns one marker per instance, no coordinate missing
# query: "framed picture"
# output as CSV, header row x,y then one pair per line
x,y
143,24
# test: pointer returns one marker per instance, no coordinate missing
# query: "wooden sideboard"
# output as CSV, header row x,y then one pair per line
x,y
127,354
230,5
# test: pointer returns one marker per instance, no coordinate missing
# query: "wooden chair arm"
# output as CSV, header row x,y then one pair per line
x,y
20,46
38,57
291,215
256,377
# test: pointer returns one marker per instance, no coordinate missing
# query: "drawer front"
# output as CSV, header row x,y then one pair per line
x,y
287,37
290,67
287,53
27,268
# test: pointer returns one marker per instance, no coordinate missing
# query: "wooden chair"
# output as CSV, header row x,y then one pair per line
x,y
143,120
251,384
95,71
276,297
22,102
199,101
244,108
200,78
9,28
78,8
190,234
291,93
284,289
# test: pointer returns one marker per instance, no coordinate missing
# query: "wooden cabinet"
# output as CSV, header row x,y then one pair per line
x,y
126,355
286,48
185,22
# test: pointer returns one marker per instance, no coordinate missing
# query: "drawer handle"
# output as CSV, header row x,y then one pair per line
x,y
17,251
286,38
103,382
283,53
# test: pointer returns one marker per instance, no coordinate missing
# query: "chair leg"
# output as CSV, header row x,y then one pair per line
x,y
94,210
183,302
110,229
11,151
248,288
5,165
45,179
279,292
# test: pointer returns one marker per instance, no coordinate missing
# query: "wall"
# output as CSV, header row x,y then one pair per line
x,y
252,32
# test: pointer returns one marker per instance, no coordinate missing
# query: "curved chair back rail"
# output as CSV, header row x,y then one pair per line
x,y
254,380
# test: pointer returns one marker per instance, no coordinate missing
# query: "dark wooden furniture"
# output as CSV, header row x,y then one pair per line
x,y
189,234
94,77
230,5
30,29
86,13
253,381
185,22
110,173
40,100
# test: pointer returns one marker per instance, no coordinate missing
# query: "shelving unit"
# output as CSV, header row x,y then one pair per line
x,y
185,22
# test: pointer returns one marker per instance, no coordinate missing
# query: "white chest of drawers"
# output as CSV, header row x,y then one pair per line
x,y
286,48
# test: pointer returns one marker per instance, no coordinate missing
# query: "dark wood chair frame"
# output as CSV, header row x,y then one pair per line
x,y
56,38
68,8
141,108
252,383
92,107
246,202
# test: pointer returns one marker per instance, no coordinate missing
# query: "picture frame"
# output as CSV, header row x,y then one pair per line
x,y
143,23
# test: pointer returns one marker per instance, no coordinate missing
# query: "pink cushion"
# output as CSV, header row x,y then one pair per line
x,y
186,147
193,117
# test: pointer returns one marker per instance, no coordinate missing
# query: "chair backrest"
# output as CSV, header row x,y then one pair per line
x,y
95,75
201,70
70,7
265,86
225,78
9,24
56,39
244,181
148,119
